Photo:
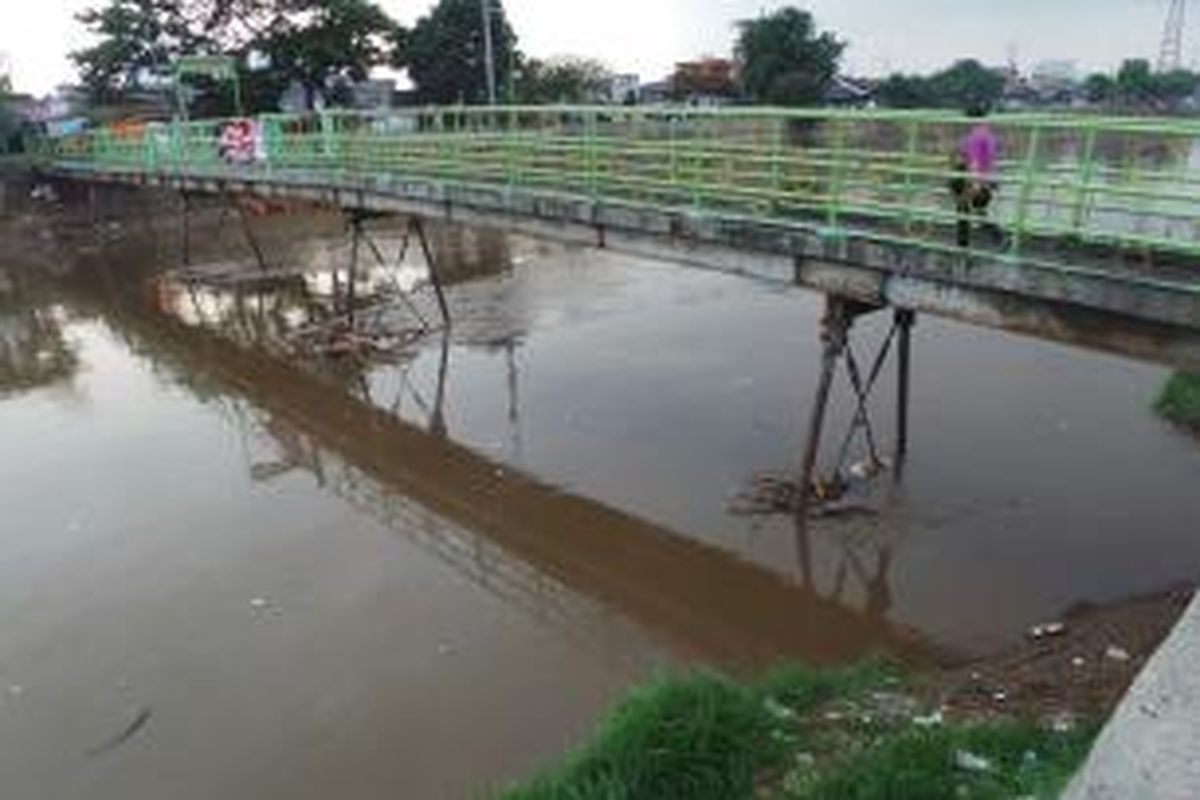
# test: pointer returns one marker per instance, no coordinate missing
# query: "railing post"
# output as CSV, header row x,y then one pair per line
x,y
176,145
1028,175
673,145
910,166
591,125
1087,172
327,137
836,168
510,156
778,131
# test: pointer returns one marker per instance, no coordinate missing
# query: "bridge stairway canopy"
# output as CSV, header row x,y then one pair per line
x,y
1125,189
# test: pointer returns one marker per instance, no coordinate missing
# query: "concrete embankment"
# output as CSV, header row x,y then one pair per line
x,y
1151,747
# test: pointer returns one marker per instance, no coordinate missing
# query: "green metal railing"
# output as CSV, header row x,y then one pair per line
x,y
1117,186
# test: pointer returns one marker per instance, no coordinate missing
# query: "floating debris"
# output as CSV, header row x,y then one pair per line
x,y
139,721
970,762
1115,653
931,721
1047,630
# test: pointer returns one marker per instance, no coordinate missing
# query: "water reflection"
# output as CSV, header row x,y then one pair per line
x,y
558,555
34,353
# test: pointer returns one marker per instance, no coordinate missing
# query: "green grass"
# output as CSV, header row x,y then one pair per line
x,y
922,764
702,736
699,736
1180,400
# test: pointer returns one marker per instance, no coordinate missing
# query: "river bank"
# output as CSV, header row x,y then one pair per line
x,y
1016,724
1180,401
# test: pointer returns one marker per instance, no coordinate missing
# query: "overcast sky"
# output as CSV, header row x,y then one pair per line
x,y
649,36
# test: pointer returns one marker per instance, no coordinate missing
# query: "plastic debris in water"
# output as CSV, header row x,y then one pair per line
x,y
1115,653
1047,630
932,721
966,760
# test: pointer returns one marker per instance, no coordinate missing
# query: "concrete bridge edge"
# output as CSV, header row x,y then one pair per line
x,y
1151,746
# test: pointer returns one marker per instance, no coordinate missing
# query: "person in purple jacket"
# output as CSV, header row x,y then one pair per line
x,y
974,182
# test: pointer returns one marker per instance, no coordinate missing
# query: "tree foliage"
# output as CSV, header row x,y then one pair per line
x,y
905,91
784,60
318,42
445,52
310,41
1138,86
965,84
1099,88
135,36
568,79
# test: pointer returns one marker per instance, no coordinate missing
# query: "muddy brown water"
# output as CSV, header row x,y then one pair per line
x,y
224,573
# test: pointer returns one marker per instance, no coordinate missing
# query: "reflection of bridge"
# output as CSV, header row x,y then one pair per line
x,y
1098,216
560,557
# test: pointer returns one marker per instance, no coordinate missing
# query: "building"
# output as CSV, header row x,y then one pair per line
x,y
846,92
656,93
624,89
705,82
1055,81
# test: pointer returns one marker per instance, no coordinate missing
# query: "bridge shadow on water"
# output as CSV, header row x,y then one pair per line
x,y
540,548
383,445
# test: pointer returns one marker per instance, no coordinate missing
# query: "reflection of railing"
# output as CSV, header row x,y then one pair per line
x,y
1129,184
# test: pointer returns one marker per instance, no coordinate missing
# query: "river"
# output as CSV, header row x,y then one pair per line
x,y
226,574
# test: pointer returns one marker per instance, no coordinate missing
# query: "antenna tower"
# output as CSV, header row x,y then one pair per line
x,y
1170,56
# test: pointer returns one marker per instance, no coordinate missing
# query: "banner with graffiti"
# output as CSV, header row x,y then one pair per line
x,y
241,142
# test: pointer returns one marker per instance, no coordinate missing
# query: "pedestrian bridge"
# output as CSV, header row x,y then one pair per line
x,y
1100,216
1096,236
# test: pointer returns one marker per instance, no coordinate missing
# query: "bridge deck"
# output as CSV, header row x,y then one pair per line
x,y
1096,215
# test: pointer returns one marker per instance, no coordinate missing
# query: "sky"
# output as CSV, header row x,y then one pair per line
x,y
648,37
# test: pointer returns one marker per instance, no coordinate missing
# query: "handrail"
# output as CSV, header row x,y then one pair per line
x,y
1123,183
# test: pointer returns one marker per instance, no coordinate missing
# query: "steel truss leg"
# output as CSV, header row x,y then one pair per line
x,y
248,232
906,319
418,227
185,227
835,333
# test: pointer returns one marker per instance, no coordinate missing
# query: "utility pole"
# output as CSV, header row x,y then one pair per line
x,y
489,52
1170,55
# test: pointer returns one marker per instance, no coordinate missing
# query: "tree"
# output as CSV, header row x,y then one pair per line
x,y
966,84
568,79
1174,87
1099,88
135,36
314,42
1135,82
905,91
445,52
784,61
324,43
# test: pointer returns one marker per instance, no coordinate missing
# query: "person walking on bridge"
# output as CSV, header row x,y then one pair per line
x,y
974,183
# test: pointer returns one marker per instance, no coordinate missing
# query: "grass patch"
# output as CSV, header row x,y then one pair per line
x,y
1180,400
699,736
994,761
803,734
